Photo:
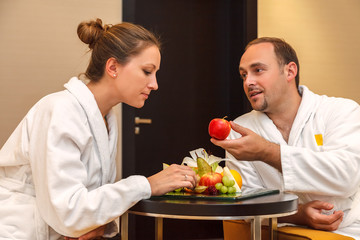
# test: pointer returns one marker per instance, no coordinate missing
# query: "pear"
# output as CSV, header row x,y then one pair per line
x,y
165,165
203,166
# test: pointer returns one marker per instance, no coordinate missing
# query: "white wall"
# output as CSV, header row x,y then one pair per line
x,y
326,36
40,50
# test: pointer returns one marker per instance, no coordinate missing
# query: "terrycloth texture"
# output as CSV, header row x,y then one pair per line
x,y
58,167
320,161
234,230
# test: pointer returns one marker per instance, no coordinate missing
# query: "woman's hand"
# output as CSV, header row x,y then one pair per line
x,y
92,235
310,214
173,177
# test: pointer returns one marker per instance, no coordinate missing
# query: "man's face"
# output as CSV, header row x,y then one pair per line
x,y
263,79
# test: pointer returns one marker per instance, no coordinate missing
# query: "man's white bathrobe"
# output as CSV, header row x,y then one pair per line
x,y
320,161
58,167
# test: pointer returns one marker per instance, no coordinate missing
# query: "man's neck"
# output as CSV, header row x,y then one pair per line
x,y
284,118
283,125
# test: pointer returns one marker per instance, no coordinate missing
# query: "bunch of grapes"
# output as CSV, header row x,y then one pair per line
x,y
227,185
212,190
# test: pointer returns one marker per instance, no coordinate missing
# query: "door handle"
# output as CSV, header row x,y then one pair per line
x,y
142,120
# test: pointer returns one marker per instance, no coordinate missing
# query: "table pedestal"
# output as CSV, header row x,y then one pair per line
x,y
266,207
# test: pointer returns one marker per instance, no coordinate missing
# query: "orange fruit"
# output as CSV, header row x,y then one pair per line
x,y
237,177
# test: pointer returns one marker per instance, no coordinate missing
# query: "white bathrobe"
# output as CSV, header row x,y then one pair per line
x,y
321,160
58,167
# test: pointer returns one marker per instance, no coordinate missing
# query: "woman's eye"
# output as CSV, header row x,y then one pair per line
x,y
147,72
243,76
259,70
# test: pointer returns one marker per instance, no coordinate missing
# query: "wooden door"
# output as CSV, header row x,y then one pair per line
x,y
203,41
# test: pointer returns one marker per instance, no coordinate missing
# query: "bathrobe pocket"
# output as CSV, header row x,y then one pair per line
x,y
19,215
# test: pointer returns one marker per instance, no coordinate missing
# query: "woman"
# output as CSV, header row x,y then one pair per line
x,y
57,170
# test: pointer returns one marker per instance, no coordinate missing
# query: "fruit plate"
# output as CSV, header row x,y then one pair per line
x,y
249,193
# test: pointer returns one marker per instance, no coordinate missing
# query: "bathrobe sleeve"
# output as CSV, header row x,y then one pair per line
x,y
329,167
250,177
62,155
332,168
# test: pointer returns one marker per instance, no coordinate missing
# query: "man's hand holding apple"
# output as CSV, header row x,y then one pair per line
x,y
251,147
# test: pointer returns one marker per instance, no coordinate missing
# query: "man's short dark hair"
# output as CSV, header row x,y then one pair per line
x,y
283,51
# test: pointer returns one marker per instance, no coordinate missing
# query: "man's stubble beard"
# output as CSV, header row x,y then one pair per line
x,y
262,107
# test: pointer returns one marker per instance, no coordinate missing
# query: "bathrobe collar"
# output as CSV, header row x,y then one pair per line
x,y
102,138
309,102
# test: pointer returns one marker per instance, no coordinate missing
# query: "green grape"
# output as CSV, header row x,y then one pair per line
x,y
232,183
231,190
226,180
224,189
218,186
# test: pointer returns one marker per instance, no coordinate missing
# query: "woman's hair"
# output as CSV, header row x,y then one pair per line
x,y
283,51
121,41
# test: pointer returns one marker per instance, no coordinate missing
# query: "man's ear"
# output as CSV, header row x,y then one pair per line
x,y
111,67
291,71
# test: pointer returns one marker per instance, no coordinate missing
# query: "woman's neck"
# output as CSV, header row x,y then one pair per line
x,y
102,97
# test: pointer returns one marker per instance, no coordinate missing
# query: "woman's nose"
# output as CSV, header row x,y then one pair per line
x,y
153,85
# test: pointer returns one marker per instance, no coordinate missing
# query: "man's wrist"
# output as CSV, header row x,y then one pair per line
x,y
272,155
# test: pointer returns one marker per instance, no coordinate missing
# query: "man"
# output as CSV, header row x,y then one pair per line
x,y
297,141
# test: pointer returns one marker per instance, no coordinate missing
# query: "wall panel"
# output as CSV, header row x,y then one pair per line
x,y
326,37
40,50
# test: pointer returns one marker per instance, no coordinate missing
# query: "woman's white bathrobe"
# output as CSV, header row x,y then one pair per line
x,y
325,169
58,167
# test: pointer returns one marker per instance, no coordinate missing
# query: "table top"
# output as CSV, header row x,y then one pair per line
x,y
276,204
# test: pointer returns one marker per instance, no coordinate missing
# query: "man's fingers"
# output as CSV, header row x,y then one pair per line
x,y
225,144
321,205
216,142
228,143
331,222
329,219
336,216
239,129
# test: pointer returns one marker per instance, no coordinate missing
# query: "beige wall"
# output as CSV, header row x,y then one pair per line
x,y
326,36
40,50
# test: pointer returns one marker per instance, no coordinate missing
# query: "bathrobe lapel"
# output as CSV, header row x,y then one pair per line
x,y
97,125
309,103
263,125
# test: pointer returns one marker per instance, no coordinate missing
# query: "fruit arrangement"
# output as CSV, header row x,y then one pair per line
x,y
212,179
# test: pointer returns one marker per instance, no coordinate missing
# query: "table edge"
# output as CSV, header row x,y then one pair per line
x,y
194,217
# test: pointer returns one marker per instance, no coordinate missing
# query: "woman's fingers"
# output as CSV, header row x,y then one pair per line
x,y
173,177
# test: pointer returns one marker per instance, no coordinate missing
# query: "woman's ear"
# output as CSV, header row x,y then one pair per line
x,y
291,71
111,67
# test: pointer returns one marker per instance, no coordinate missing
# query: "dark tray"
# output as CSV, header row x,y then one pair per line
x,y
250,193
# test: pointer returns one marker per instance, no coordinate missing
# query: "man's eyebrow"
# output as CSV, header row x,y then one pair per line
x,y
254,65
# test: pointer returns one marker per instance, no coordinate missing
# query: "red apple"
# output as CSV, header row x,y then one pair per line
x,y
210,179
219,128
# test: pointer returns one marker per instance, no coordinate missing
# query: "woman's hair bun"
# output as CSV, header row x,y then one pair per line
x,y
89,32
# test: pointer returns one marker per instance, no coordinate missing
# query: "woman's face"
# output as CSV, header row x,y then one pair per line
x,y
137,78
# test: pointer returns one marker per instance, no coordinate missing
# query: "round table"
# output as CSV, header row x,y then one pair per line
x,y
270,207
